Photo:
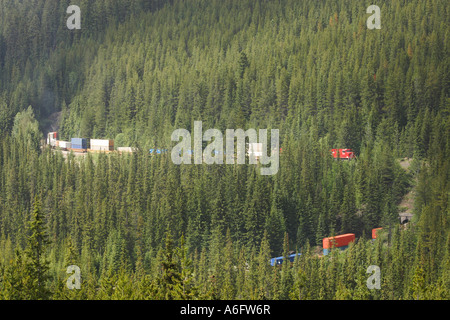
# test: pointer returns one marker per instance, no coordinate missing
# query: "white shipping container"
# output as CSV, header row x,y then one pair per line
x,y
126,149
99,148
255,149
64,144
101,143
51,138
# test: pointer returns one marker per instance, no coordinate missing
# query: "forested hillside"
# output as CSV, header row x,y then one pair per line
x,y
141,227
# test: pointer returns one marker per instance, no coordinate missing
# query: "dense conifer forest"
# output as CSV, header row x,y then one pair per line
x,y
140,227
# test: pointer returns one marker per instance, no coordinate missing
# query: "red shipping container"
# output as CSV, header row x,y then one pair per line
x,y
338,241
342,153
335,153
346,154
374,232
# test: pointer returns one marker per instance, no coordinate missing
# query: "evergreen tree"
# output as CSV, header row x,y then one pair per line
x,y
37,265
170,284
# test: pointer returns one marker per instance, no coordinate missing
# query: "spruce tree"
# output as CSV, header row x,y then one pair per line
x,y
170,284
37,266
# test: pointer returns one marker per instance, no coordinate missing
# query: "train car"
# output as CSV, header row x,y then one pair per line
x,y
52,138
279,260
344,154
79,144
375,233
126,149
341,241
255,149
101,145
157,151
65,145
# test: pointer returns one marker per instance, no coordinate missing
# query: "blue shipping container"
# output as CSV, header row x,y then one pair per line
x,y
79,143
279,260
158,151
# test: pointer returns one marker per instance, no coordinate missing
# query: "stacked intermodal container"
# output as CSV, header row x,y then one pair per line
x,y
157,151
102,145
255,149
341,241
64,144
279,260
374,232
345,154
52,138
79,144
126,149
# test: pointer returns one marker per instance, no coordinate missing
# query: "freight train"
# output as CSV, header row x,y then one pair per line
x,y
340,242
343,241
279,260
80,145
107,145
344,154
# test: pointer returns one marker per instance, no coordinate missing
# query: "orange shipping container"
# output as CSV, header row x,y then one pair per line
x,y
374,232
338,241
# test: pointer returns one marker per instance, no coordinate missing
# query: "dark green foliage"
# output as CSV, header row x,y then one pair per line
x,y
137,70
36,265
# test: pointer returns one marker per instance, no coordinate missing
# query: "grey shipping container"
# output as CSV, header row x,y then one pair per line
x,y
79,143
